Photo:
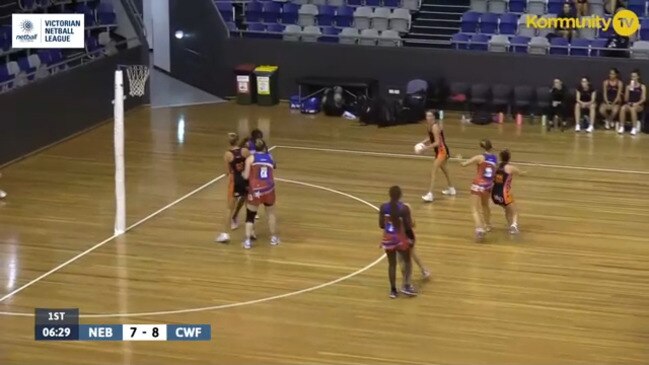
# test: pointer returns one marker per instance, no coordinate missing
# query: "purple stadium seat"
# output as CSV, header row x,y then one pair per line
x,y
354,2
579,47
329,34
26,5
508,24
277,29
517,6
344,17
519,44
25,67
255,30
555,6
638,6
290,13
606,34
489,23
470,22
373,3
92,45
4,74
89,16
598,47
226,10
460,41
270,12
253,12
392,3
644,29
559,45
325,15
106,14
479,42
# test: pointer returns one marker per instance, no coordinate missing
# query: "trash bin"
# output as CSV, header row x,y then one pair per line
x,y
246,86
267,93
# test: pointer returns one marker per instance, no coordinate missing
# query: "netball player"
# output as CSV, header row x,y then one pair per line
x,y
249,142
586,102
487,164
235,160
501,192
635,96
396,222
259,171
613,90
437,142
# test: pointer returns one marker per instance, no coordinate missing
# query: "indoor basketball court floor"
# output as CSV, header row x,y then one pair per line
x,y
573,288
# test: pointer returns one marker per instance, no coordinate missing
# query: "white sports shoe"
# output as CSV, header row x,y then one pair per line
x,y
2,194
620,130
577,127
223,238
590,129
247,244
513,229
450,191
428,197
607,125
634,131
234,224
274,241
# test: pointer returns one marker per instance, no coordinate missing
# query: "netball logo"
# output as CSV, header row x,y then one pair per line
x,y
26,27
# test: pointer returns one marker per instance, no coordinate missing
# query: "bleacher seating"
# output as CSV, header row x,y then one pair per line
x,y
487,18
327,21
20,66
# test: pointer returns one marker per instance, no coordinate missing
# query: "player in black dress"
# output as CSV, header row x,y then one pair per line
x,y
235,158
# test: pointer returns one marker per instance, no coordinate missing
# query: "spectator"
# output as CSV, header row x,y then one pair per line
x,y
612,92
585,105
563,27
635,96
558,105
581,7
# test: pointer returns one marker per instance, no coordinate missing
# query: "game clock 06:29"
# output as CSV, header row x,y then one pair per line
x,y
56,333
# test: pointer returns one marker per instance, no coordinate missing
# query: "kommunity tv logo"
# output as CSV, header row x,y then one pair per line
x,y
624,23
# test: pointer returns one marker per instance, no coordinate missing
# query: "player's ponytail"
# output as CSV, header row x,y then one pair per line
x,y
395,196
486,145
260,145
505,156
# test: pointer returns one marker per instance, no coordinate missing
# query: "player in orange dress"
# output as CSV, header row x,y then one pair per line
x,y
398,237
437,141
259,171
235,160
501,194
481,188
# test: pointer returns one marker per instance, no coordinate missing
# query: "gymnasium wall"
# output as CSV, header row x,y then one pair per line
x,y
208,59
54,108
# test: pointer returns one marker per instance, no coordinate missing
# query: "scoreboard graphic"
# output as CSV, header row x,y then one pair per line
x,y
63,325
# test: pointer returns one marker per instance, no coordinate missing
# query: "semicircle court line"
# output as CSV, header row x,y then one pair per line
x,y
249,302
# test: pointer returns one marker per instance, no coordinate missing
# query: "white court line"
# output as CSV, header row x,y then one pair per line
x,y
98,245
403,155
250,302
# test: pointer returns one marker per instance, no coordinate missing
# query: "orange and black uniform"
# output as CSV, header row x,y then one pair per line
x,y
238,186
441,151
501,193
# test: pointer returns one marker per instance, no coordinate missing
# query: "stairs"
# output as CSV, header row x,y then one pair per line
x,y
436,22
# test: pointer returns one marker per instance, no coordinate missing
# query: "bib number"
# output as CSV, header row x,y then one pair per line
x,y
488,172
263,173
389,228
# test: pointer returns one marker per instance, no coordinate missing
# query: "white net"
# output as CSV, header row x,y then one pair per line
x,y
137,76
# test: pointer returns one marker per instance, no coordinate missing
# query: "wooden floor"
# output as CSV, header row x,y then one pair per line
x,y
572,289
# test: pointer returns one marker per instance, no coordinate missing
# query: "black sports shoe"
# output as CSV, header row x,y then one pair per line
x,y
393,294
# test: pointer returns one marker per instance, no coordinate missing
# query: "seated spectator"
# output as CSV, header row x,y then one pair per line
x,y
635,96
618,46
558,105
563,29
612,91
585,104
581,7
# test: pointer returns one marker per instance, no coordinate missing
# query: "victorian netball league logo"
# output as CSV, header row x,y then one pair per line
x,y
26,31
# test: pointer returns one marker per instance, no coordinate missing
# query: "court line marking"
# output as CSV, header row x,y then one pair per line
x,y
100,244
404,155
249,302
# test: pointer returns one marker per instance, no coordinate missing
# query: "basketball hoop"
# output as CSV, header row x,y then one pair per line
x,y
137,76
